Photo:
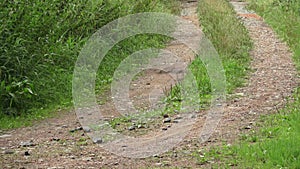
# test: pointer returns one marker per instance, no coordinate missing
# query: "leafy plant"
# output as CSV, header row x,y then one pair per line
x,y
40,42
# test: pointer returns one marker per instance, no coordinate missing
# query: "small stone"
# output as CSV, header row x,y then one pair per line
x,y
166,115
165,128
240,94
72,157
55,139
158,164
64,126
176,121
87,159
27,143
26,153
86,129
79,128
140,126
8,152
167,120
97,140
248,127
131,128
76,129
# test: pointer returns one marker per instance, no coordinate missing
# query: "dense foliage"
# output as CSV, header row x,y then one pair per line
x,y
40,41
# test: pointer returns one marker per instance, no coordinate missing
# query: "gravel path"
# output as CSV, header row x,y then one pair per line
x,y
273,79
62,143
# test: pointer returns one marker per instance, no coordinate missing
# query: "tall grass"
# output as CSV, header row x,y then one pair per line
x,y
40,42
229,37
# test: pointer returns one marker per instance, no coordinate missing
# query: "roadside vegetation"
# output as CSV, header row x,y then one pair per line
x,y
276,142
229,37
40,42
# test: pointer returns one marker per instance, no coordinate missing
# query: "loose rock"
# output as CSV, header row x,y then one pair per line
x,y
26,153
176,121
87,159
97,140
8,152
166,115
64,126
131,128
27,143
158,164
86,128
76,129
167,120
55,139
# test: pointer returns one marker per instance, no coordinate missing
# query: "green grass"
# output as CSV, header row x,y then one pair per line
x,y
276,142
274,145
40,42
229,37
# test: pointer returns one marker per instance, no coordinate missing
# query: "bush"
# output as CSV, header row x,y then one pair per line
x,y
40,42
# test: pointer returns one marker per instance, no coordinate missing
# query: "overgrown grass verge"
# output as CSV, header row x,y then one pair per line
x,y
40,42
229,37
276,143
232,42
